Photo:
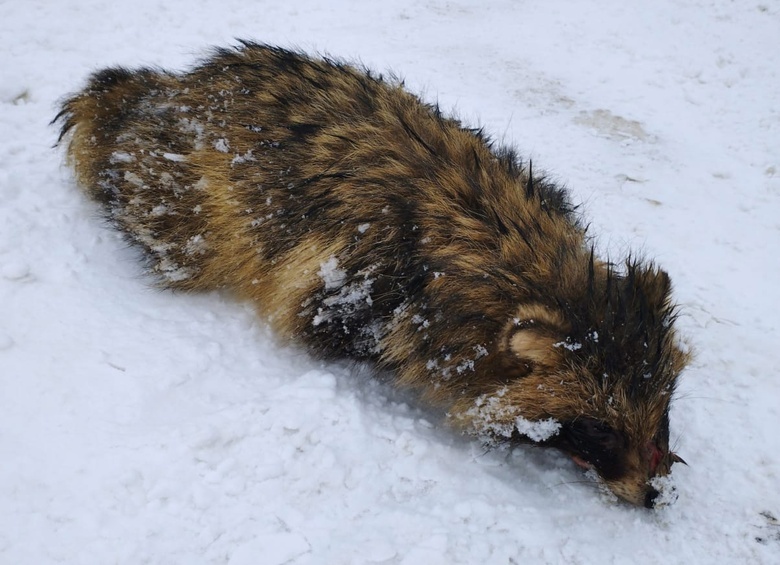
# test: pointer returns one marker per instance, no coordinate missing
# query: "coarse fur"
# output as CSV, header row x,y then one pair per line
x,y
363,223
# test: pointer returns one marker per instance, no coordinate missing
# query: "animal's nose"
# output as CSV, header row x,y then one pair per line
x,y
650,497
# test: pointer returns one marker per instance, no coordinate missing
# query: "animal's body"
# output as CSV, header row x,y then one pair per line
x,y
363,223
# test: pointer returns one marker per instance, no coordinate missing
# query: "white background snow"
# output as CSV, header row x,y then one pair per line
x,y
139,426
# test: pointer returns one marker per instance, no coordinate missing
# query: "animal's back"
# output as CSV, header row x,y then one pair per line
x,y
328,195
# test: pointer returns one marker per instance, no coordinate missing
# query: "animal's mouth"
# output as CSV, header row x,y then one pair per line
x,y
581,462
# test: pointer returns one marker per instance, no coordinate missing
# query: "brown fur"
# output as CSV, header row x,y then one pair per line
x,y
363,223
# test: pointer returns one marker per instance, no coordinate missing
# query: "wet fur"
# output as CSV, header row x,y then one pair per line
x,y
363,223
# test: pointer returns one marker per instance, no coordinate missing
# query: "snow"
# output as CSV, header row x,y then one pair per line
x,y
331,275
140,426
490,416
222,145
568,344
539,430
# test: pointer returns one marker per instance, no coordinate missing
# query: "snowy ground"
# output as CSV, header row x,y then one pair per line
x,y
139,426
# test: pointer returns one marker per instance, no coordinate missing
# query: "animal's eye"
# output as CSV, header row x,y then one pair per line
x,y
591,436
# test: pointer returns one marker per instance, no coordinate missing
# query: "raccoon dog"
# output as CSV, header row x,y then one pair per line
x,y
363,223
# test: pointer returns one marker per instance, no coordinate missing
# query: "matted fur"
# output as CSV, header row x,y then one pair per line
x,y
363,223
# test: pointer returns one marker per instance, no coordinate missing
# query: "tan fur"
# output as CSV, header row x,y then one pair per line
x,y
363,223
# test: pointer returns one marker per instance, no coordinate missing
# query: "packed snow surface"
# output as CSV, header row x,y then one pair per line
x,y
141,426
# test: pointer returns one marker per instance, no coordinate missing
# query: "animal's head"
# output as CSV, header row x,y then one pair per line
x,y
593,376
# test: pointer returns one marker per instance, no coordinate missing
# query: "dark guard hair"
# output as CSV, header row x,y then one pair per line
x,y
363,223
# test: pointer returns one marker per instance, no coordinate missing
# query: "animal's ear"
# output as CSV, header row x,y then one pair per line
x,y
534,334
534,346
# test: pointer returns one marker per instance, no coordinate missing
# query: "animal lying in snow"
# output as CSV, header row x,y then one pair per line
x,y
364,223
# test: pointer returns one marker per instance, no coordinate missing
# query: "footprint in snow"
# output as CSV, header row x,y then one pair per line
x,y
770,528
16,271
